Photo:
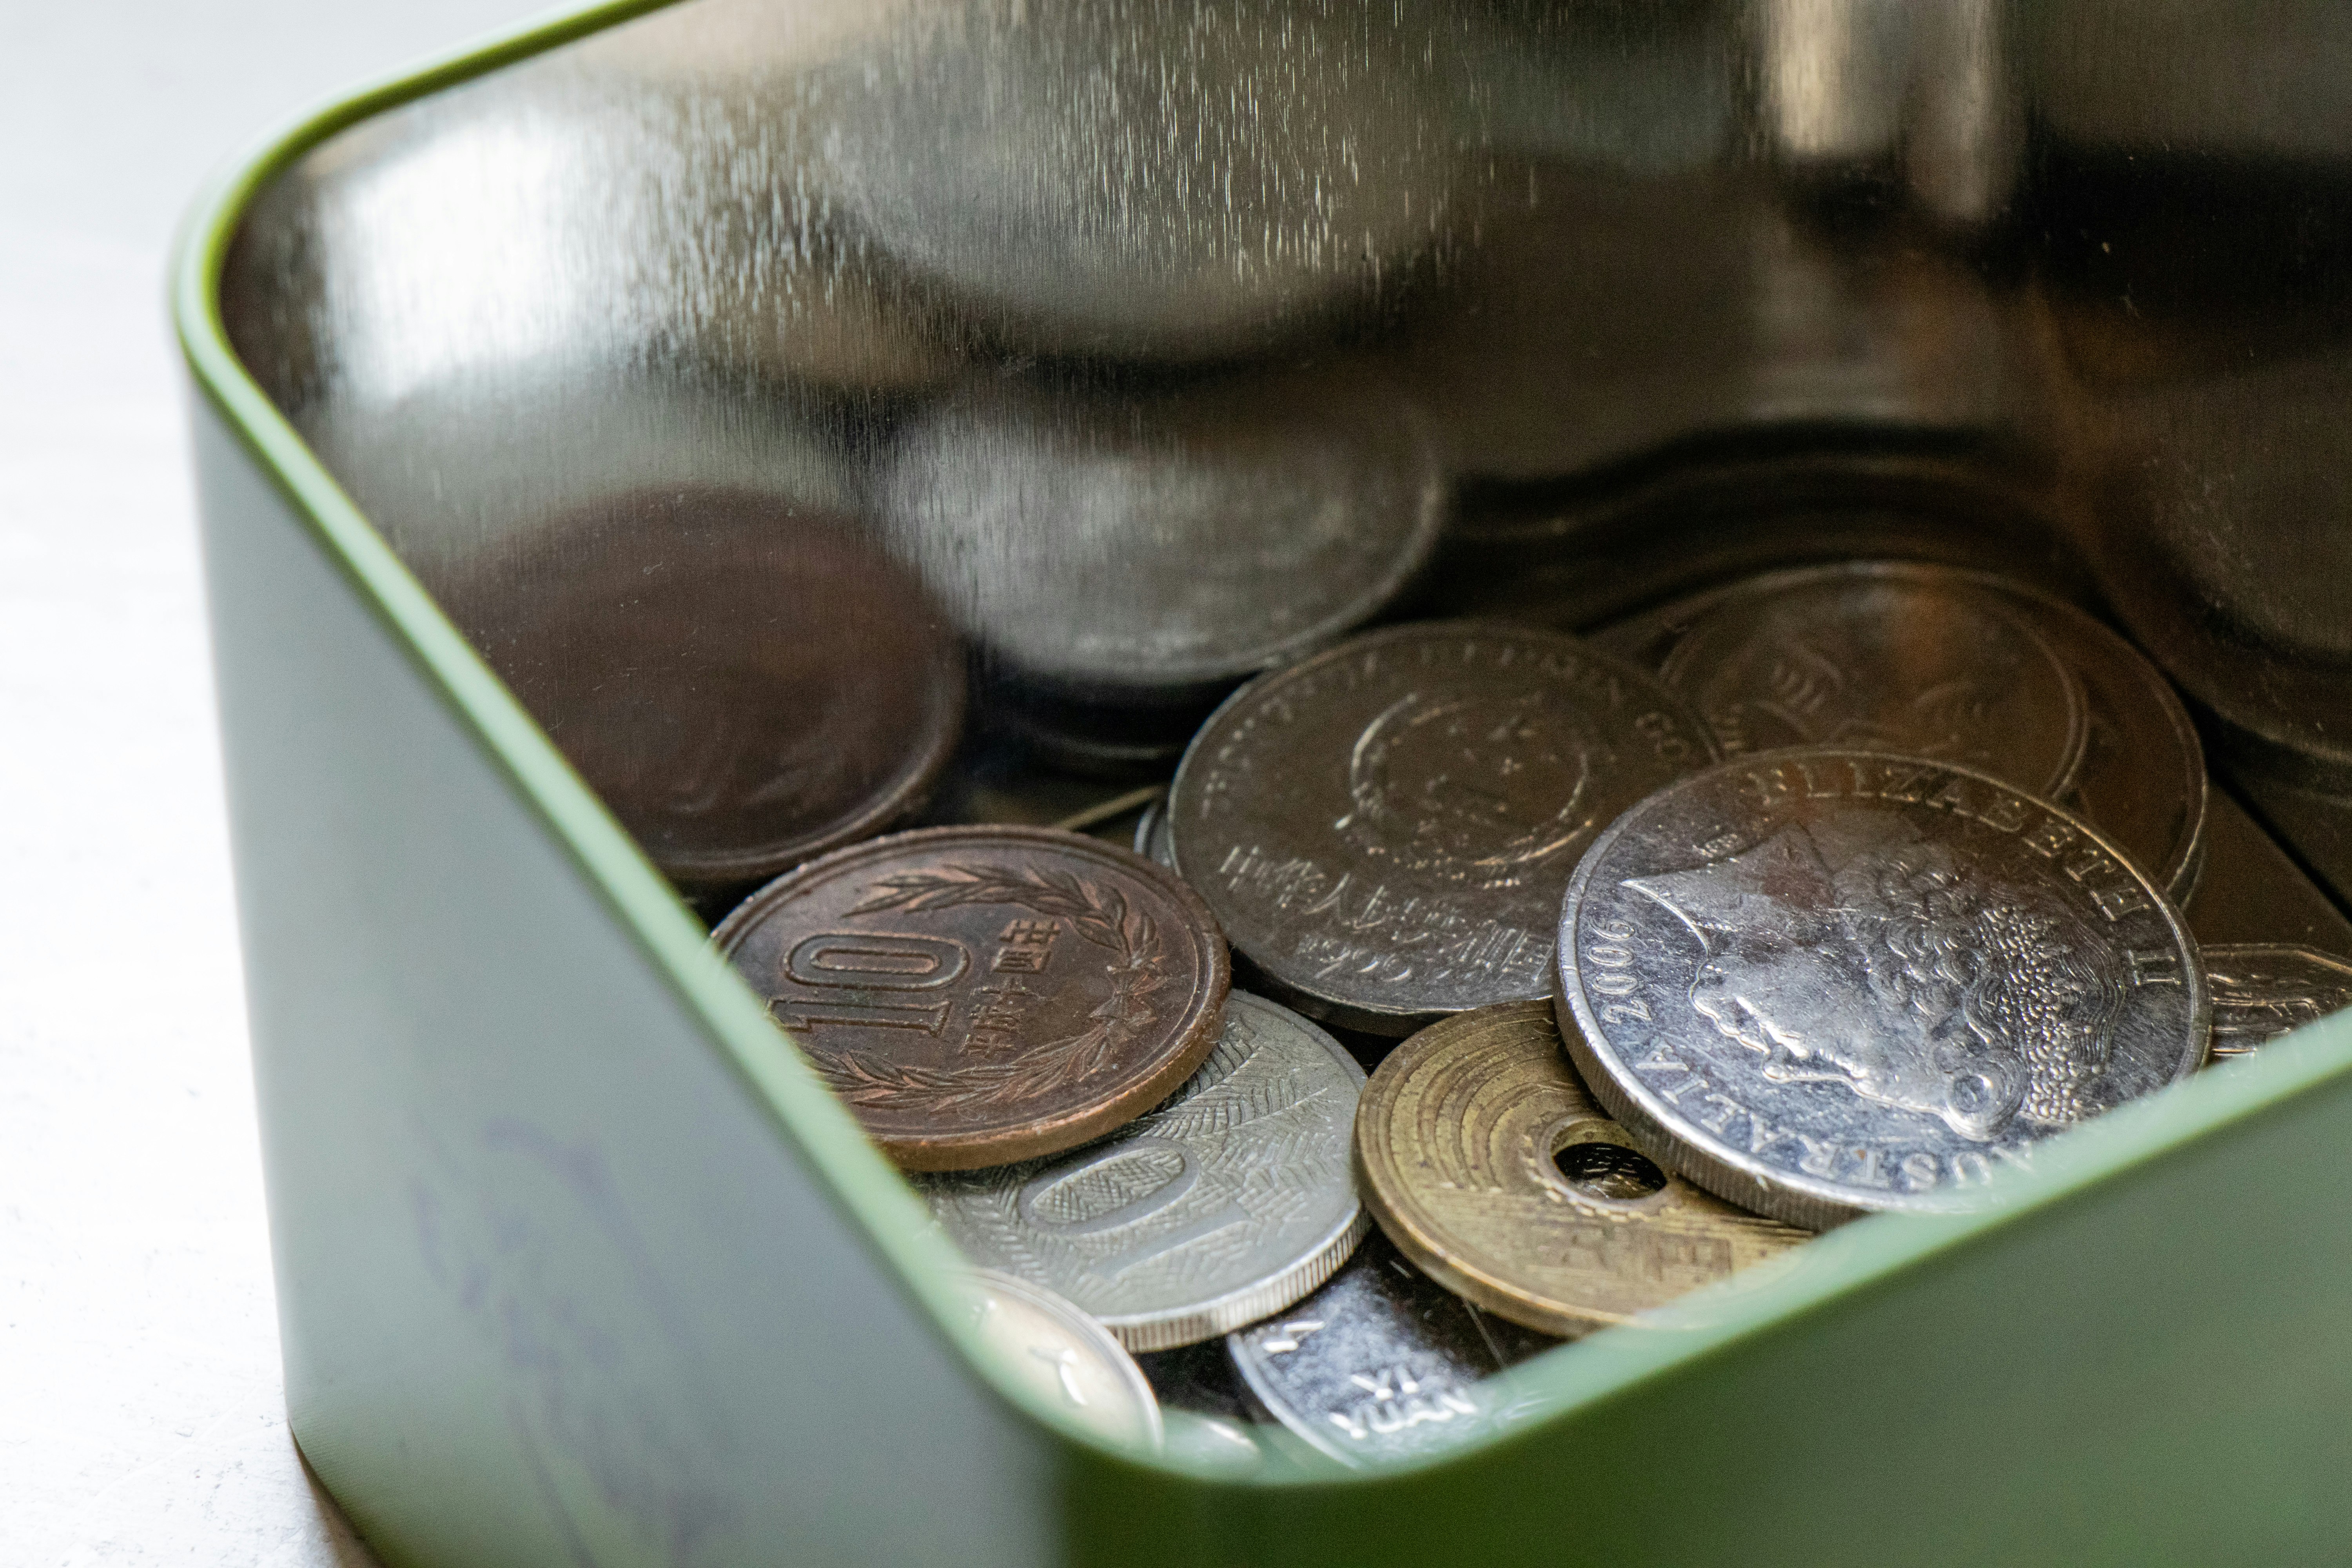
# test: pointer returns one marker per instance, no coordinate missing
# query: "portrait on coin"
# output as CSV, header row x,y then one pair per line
x,y
1851,950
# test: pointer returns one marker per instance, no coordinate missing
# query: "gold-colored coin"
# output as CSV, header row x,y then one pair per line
x,y
1484,1160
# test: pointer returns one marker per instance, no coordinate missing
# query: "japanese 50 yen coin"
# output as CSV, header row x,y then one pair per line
x,y
1823,982
982,994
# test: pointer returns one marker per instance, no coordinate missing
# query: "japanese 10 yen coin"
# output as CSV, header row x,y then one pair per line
x,y
1229,1202
1822,982
1486,1163
1384,830
983,995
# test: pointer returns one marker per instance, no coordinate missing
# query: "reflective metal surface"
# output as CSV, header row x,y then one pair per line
x,y
2091,258
1821,983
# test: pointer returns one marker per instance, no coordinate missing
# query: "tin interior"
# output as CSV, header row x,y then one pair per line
x,y
1666,294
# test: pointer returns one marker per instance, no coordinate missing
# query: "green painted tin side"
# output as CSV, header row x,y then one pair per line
x,y
577,1263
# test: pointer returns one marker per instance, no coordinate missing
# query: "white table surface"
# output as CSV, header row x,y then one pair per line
x,y
141,1418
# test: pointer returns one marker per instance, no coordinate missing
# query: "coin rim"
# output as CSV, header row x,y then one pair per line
x,y
1192,1324
1424,1247
1083,1326
912,789
1195,1037
1339,1012
1766,590
2185,860
1807,1202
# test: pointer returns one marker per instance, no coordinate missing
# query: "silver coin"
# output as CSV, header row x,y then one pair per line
x,y
1151,834
1786,657
1385,829
2262,991
1383,1363
1155,547
1229,1201
1062,1356
1148,180
1822,982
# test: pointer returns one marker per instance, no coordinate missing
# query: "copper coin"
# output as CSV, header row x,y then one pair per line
x,y
747,686
985,994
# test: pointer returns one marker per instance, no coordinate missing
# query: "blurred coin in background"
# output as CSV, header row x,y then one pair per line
x,y
744,682
1148,549
1021,162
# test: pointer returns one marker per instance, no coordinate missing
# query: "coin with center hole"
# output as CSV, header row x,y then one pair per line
x,y
981,994
1972,688
1820,983
1062,1356
1384,830
1231,1201
1484,1159
2263,990
1383,1363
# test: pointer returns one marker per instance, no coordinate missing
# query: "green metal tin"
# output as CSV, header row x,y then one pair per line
x,y
578,1264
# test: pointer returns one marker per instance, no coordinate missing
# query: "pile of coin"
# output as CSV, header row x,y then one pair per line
x,y
1828,891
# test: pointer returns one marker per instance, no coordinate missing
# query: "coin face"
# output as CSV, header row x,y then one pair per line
x,y
745,686
1229,1202
2141,774
1823,982
1155,547
1884,663
1062,1356
1486,1163
2262,991
1383,1363
1385,829
981,994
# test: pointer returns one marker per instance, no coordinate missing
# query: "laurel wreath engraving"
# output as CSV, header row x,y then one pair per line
x,y
1098,915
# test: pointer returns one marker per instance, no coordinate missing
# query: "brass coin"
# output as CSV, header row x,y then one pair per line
x,y
985,994
1483,1158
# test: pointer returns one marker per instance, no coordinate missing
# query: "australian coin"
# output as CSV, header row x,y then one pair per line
x,y
2262,991
1062,1356
1772,660
747,687
1822,982
1383,1363
1148,550
1231,1201
1384,830
979,995
1486,1163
